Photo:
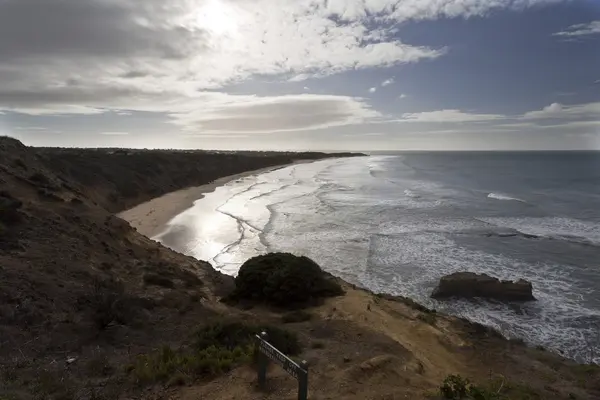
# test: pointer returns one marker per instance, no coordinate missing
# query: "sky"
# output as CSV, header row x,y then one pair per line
x,y
302,74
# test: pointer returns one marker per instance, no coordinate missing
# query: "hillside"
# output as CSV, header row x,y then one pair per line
x,y
84,299
120,179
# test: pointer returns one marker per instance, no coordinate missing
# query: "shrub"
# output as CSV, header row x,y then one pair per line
x,y
296,316
157,280
429,318
190,279
172,366
230,335
216,348
40,178
9,209
284,280
19,163
108,303
456,387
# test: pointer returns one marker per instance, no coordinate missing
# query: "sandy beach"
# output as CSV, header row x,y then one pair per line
x,y
150,218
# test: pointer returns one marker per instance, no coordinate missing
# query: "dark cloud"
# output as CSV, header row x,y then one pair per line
x,y
98,28
134,74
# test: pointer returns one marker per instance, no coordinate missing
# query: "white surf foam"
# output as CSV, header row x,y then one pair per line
x,y
551,227
504,197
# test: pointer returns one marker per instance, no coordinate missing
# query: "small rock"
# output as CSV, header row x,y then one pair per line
x,y
347,359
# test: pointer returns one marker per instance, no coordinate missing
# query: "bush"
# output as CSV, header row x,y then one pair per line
x,y
40,178
456,387
168,365
9,209
216,348
429,318
108,303
283,280
157,280
230,335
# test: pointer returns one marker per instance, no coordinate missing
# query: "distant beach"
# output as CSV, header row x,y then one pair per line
x,y
151,217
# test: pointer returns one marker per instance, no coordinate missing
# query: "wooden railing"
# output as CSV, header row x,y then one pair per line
x,y
266,351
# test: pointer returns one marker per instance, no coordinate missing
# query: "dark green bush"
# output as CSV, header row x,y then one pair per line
x,y
230,335
168,365
216,348
283,280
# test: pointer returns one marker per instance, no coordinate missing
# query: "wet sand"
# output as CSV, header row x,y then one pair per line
x,y
150,218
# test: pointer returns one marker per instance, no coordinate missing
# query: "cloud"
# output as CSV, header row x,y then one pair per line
x,y
553,118
560,111
64,57
373,89
448,116
159,42
115,133
253,114
403,96
387,82
590,28
30,128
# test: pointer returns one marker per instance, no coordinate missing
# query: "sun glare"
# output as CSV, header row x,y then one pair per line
x,y
217,17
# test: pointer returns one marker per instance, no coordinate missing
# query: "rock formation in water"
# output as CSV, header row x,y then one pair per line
x,y
469,285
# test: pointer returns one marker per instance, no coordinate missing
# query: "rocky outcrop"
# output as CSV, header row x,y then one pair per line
x,y
469,284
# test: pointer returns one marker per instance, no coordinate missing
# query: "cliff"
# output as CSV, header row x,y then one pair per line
x,y
91,309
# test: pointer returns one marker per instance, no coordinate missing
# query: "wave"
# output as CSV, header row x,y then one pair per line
x,y
557,228
499,196
411,194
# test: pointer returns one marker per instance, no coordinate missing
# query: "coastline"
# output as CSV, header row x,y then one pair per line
x,y
150,218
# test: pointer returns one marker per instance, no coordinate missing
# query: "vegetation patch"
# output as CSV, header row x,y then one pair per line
x,y
428,318
158,280
9,209
177,366
456,387
215,349
109,304
234,334
283,280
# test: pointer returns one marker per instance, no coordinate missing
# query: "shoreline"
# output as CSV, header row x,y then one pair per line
x,y
151,217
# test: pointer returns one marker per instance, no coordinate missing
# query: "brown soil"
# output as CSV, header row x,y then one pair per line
x,y
61,248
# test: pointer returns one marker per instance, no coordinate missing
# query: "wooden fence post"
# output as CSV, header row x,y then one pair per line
x,y
303,382
262,362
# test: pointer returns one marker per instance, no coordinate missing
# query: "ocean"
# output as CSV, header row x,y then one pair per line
x,y
396,223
